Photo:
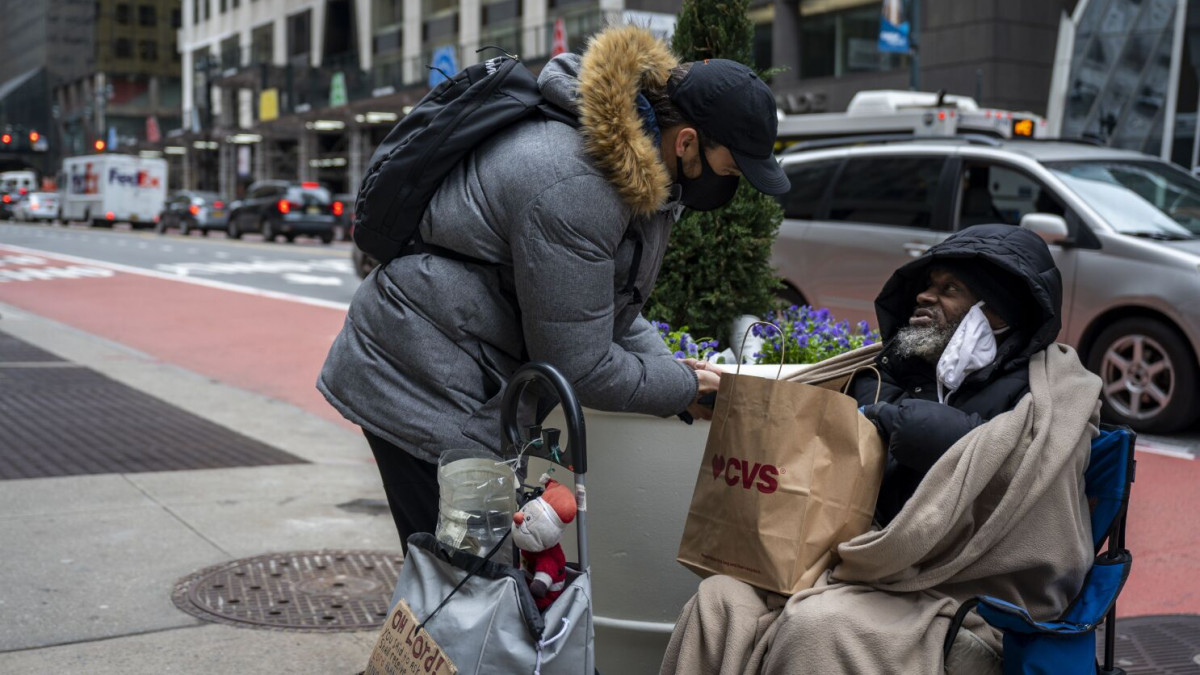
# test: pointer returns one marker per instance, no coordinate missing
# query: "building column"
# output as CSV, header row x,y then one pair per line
x,y
189,180
534,40
785,42
258,167
306,150
468,32
227,170
356,159
412,41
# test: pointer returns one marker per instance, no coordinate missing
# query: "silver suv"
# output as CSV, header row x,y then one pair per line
x,y
1124,229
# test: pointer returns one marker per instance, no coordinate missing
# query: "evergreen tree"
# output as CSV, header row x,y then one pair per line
x,y
717,267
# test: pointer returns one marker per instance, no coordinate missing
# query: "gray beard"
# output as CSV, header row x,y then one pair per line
x,y
924,342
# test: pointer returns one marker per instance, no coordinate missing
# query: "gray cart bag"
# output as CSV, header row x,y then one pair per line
x,y
481,613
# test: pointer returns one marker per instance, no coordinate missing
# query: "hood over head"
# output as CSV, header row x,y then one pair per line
x,y
601,88
1009,268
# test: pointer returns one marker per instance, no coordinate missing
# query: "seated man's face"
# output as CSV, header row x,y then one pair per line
x,y
940,308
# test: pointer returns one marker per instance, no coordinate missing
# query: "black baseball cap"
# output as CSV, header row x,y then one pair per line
x,y
730,105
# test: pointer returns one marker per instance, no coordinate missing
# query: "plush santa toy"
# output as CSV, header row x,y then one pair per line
x,y
537,530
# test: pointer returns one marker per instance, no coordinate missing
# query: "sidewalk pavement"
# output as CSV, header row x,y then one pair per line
x,y
93,559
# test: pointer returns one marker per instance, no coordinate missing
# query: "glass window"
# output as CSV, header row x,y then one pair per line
x,y
809,181
299,33
147,15
997,194
123,15
148,50
229,52
262,44
176,18
122,48
833,44
387,13
1148,198
896,191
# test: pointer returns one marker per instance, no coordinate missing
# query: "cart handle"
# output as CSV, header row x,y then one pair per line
x,y
574,458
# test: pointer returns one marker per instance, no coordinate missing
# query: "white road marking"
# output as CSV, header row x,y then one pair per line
x,y
1164,449
210,283
50,273
310,280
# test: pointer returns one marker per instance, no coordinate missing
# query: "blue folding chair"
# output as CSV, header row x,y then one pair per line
x,y
1067,646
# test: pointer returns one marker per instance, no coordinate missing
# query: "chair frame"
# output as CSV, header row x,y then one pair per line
x,y
1114,549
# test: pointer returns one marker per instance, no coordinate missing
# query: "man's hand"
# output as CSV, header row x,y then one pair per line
x,y
709,378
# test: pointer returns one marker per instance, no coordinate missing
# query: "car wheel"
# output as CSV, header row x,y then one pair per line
x,y
291,238
326,237
203,231
1149,375
234,232
787,295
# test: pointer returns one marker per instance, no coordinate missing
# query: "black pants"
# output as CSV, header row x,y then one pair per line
x,y
410,485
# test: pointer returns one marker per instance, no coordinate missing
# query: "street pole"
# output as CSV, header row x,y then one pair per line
x,y
914,48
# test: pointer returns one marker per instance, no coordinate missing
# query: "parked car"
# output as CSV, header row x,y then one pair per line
x,y
7,201
1124,229
189,210
36,206
275,208
363,263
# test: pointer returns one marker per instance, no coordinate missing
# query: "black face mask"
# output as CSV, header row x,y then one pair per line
x,y
708,191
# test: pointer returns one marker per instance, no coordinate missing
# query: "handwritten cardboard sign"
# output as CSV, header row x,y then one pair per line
x,y
402,650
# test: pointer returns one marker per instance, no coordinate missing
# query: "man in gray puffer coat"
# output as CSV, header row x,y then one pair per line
x,y
570,225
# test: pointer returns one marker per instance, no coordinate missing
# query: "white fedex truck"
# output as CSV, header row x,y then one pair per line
x,y
105,189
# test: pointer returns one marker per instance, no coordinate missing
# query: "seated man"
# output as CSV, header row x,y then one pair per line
x,y
988,425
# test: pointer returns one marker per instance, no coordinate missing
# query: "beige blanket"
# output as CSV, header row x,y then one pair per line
x,y
1001,513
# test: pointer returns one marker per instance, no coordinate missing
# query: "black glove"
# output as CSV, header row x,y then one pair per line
x,y
885,417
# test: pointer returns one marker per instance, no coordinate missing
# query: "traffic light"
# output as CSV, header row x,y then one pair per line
x,y
99,145
6,139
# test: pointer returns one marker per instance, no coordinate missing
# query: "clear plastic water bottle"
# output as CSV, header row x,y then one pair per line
x,y
477,501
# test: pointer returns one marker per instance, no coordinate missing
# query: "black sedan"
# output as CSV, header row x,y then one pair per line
x,y
282,208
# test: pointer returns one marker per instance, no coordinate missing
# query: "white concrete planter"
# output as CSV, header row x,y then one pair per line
x,y
641,473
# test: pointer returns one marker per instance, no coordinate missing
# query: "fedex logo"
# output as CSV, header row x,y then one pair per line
x,y
141,179
743,473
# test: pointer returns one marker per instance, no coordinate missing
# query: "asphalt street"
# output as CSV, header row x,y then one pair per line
x,y
306,268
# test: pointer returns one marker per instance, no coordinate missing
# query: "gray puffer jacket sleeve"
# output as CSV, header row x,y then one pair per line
x,y
563,262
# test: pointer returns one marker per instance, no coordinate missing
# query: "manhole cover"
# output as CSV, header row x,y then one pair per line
x,y
298,591
1163,645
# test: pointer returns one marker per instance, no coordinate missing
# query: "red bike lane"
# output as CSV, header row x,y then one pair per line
x,y
275,347
266,345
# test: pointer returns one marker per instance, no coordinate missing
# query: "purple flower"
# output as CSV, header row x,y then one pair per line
x,y
864,327
680,355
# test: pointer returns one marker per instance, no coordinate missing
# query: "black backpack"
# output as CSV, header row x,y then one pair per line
x,y
414,158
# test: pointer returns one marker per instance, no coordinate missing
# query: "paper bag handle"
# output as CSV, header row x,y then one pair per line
x,y
743,345
878,381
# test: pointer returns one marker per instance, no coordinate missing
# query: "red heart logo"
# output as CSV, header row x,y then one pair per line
x,y
718,465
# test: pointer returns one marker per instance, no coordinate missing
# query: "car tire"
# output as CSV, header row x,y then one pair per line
x,y
1149,375
234,232
291,238
268,229
326,237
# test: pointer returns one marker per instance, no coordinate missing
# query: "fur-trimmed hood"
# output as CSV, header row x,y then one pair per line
x,y
601,88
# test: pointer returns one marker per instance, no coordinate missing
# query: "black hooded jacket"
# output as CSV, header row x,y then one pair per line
x,y
917,429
